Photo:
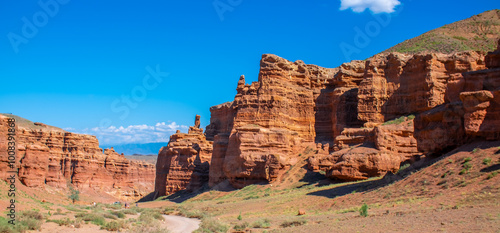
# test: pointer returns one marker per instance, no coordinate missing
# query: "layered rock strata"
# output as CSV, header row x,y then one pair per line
x,y
293,106
51,156
184,163
473,111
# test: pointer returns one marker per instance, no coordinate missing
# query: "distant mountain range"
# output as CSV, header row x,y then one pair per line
x,y
138,149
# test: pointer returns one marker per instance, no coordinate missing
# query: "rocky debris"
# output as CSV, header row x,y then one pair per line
x,y
56,158
475,112
367,152
184,163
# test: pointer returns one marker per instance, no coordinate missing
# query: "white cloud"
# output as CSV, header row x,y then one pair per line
x,y
376,6
160,132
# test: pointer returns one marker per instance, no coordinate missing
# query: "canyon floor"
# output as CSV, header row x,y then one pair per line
x,y
456,192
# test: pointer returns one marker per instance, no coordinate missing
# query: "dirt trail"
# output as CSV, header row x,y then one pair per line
x,y
178,224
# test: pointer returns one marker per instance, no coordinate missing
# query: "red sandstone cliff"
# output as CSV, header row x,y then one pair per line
x,y
293,106
50,156
473,111
184,163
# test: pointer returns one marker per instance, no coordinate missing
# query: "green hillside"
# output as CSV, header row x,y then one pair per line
x,y
478,33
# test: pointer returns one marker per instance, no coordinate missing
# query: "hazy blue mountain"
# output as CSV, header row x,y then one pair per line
x,y
140,149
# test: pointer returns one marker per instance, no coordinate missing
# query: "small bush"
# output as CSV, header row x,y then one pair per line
x,y
114,226
77,223
475,150
191,213
293,223
150,216
240,227
459,37
487,161
110,216
251,197
29,220
399,120
156,228
405,166
261,223
31,224
118,214
491,175
239,217
6,229
209,225
32,215
129,211
466,166
92,217
363,211
168,210
468,158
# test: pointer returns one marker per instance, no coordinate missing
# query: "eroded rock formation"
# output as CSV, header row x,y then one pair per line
x,y
473,111
51,156
184,163
294,106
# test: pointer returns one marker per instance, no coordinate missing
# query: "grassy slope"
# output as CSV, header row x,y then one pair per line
x,y
431,198
25,123
477,33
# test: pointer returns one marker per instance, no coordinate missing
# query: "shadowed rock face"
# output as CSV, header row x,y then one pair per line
x,y
55,157
184,163
474,112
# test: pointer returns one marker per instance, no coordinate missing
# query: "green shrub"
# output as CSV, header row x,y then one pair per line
x,y
487,161
118,214
239,217
96,219
31,215
77,223
31,224
156,228
30,220
130,211
114,226
150,215
491,175
475,150
459,37
399,120
168,210
6,229
209,225
293,223
405,166
110,216
363,211
240,227
261,223
468,159
74,195
191,213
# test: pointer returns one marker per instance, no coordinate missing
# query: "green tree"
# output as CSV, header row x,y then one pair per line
x,y
74,195
363,211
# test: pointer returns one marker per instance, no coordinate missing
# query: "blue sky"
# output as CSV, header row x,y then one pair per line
x,y
132,72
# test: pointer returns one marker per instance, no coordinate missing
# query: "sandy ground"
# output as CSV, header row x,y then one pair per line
x,y
178,224
50,227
